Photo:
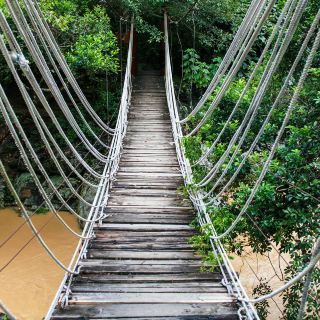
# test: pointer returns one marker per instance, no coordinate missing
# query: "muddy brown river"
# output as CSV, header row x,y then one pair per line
x,y
29,283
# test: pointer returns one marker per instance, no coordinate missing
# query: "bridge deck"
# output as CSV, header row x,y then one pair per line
x,y
141,265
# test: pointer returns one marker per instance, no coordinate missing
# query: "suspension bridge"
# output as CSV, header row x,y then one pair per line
x,y
134,260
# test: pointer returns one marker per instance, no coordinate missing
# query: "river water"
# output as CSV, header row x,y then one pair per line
x,y
253,267
29,283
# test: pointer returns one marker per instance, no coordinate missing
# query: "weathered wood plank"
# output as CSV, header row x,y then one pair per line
x,y
145,209
144,227
151,297
147,218
140,269
135,233
150,169
145,262
141,246
146,239
129,254
138,184
148,201
145,192
197,287
221,311
146,278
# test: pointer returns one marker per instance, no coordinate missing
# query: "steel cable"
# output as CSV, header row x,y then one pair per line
x,y
282,92
278,138
6,109
46,31
28,73
265,81
248,83
229,56
29,221
44,70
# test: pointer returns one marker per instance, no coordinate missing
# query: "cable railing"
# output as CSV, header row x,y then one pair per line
x,y
62,295
230,277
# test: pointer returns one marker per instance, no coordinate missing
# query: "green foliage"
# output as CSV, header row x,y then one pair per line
x,y
96,47
284,214
196,72
42,211
60,14
85,34
262,307
209,262
214,24
201,243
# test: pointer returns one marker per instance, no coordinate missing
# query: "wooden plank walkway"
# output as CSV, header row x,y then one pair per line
x,y
141,266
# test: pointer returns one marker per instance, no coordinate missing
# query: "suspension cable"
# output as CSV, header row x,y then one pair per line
x,y
9,237
282,92
57,71
7,312
27,72
313,261
42,66
278,138
16,122
259,94
33,173
247,86
47,33
231,52
29,221
260,19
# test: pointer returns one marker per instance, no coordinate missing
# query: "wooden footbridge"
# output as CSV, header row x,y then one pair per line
x,y
141,265
134,259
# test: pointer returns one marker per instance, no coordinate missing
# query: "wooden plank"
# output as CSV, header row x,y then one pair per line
x,y
145,192
140,269
144,227
148,117
147,127
155,152
175,176
146,239
141,246
151,297
152,140
112,311
141,209
149,169
117,233
147,278
145,262
128,254
150,178
123,183
207,285
151,160
144,288
147,218
151,136
148,201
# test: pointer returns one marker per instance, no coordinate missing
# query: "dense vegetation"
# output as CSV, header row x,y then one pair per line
x,y
286,207
199,35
